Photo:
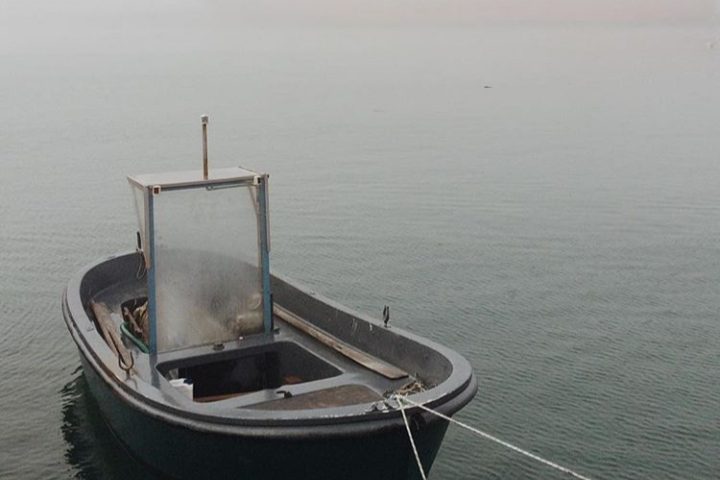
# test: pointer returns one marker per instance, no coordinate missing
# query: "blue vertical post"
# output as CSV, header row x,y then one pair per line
x,y
263,230
152,300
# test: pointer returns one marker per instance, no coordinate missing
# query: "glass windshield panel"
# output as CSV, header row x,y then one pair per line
x,y
208,279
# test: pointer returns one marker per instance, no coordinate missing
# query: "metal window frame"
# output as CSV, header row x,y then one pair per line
x,y
150,190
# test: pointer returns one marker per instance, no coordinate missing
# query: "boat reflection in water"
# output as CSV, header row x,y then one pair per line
x,y
91,448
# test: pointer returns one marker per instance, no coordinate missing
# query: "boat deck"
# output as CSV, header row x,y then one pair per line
x,y
326,398
315,370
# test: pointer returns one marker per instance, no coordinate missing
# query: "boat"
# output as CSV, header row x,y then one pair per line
x,y
205,364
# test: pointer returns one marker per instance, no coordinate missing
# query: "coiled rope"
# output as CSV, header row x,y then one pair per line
x,y
402,400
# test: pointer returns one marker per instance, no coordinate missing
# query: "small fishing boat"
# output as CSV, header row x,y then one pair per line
x,y
206,365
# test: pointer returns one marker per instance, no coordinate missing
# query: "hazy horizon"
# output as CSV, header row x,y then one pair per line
x,y
84,25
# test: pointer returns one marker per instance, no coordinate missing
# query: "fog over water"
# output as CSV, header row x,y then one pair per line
x,y
146,26
534,184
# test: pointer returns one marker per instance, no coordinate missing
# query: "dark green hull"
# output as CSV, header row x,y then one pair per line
x,y
180,452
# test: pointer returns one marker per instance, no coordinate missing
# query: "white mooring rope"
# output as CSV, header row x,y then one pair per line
x,y
412,440
492,438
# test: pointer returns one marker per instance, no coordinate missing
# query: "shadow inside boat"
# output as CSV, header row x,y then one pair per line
x,y
91,448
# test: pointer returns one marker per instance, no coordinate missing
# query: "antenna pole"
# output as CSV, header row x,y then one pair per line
x,y
204,120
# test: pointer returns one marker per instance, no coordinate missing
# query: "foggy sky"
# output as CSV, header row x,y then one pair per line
x,y
82,24
368,11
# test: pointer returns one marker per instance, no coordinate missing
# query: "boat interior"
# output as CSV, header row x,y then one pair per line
x,y
303,364
212,327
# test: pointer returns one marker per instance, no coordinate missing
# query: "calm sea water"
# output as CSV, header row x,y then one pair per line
x,y
560,229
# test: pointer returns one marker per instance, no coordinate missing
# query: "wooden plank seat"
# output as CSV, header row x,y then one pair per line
x,y
366,360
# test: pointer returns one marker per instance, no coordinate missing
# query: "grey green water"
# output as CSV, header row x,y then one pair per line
x,y
560,229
